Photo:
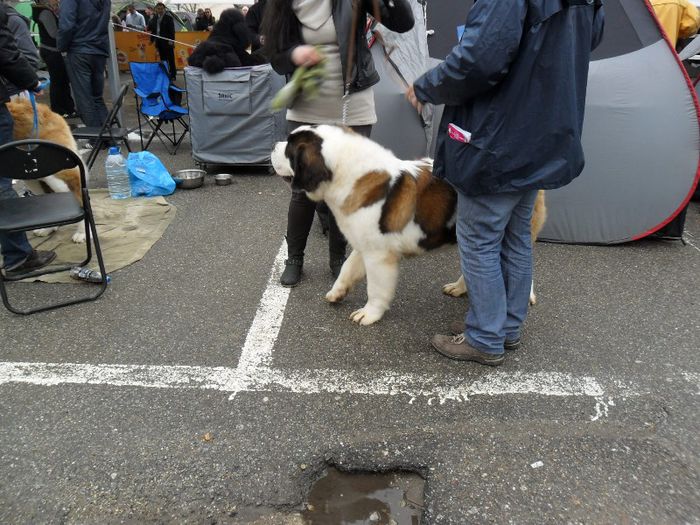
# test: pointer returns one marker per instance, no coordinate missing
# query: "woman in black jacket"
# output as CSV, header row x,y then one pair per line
x,y
302,33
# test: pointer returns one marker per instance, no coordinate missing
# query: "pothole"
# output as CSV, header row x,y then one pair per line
x,y
366,498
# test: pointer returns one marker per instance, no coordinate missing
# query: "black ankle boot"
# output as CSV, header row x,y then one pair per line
x,y
336,265
292,271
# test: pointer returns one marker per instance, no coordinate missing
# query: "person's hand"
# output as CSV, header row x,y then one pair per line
x,y
40,86
306,56
411,97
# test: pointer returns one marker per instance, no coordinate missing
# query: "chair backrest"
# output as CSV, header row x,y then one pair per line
x,y
34,158
116,106
152,78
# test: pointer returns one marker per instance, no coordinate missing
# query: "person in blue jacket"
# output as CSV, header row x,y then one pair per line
x,y
83,39
517,83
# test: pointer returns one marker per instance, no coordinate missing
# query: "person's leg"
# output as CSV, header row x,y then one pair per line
x,y
60,96
15,247
97,89
300,217
516,265
169,56
481,226
65,96
80,74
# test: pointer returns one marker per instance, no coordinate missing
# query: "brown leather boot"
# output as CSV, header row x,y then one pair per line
x,y
457,328
456,347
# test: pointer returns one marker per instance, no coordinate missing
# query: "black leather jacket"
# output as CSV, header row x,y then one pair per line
x,y
14,68
396,15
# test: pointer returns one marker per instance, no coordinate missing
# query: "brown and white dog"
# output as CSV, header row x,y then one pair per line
x,y
54,128
386,207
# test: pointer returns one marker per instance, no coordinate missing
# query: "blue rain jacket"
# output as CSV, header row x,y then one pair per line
x,y
83,27
517,82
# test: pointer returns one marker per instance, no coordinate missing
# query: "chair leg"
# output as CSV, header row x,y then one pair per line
x,y
91,228
92,157
138,117
155,130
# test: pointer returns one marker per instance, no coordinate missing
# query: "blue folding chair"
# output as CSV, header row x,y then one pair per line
x,y
153,90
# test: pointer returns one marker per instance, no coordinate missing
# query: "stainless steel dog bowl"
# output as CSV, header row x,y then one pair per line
x,y
223,179
188,179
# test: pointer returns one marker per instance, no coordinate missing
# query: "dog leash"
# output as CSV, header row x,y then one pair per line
x,y
43,84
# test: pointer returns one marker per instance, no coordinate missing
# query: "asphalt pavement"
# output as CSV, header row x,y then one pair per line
x,y
197,390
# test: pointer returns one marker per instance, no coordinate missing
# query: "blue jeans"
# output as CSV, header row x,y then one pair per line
x,y
495,247
87,78
15,247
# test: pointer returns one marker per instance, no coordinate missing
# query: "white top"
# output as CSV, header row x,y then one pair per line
x,y
136,20
318,29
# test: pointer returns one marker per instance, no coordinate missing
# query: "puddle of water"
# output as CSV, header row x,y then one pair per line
x,y
366,498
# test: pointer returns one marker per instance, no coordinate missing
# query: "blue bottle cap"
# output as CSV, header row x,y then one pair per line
x,y
114,150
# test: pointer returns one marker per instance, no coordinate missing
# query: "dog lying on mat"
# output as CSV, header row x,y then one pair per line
x,y
386,207
54,128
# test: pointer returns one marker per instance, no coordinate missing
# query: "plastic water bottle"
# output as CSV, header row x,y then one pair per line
x,y
86,274
117,175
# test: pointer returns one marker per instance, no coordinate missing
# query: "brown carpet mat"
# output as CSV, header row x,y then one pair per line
x,y
126,228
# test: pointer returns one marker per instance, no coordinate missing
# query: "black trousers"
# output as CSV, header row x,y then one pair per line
x,y
60,95
301,217
167,53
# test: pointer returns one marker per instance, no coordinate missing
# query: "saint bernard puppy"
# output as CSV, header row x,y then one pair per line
x,y
54,128
386,207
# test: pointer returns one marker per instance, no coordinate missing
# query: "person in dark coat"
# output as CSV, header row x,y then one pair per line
x,y
200,23
46,18
254,19
83,35
18,256
517,83
162,25
226,47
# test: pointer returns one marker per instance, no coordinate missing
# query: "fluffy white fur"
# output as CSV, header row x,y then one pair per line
x,y
349,156
376,254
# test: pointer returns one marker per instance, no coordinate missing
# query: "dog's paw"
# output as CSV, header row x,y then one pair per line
x,y
44,232
335,295
78,237
455,289
366,316
533,299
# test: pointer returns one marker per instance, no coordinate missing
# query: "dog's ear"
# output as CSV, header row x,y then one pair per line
x,y
307,162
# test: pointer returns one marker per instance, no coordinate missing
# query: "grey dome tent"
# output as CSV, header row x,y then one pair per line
x,y
641,133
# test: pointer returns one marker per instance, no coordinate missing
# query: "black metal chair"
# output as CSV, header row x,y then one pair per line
x,y
33,159
110,133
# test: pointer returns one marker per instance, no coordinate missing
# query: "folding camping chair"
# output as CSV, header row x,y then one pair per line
x,y
110,132
152,89
33,159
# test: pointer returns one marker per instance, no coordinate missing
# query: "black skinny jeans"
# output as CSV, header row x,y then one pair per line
x,y
301,216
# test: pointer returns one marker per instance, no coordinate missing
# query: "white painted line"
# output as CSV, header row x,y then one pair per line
x,y
145,376
261,338
694,378
304,382
437,387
